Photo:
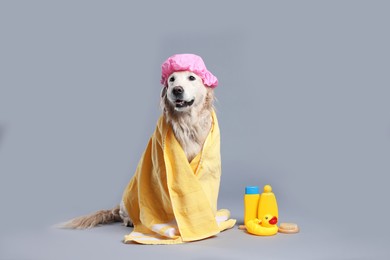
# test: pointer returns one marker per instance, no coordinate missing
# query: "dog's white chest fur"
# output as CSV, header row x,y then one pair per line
x,y
191,132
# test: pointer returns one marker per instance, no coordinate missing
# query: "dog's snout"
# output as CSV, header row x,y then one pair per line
x,y
178,90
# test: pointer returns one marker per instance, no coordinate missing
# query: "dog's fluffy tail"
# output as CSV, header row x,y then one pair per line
x,y
93,220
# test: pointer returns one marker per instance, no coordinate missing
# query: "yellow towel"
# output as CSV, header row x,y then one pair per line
x,y
173,201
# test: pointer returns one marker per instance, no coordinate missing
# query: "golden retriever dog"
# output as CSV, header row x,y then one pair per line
x,y
187,105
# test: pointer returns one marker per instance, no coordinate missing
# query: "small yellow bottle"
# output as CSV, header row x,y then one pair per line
x,y
267,203
251,203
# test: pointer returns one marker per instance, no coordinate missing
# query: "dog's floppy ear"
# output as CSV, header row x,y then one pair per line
x,y
163,92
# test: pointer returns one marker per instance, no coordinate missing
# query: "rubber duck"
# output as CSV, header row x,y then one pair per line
x,y
264,227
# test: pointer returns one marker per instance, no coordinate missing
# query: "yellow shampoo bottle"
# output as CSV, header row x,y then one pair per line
x,y
251,203
267,203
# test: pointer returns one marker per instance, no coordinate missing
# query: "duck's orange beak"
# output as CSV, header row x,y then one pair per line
x,y
273,220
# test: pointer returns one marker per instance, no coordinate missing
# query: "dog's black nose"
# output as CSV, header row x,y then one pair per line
x,y
177,91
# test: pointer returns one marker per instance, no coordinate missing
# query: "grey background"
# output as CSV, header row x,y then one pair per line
x,y
303,104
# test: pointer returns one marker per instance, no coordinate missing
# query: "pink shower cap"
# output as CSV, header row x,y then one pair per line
x,y
187,62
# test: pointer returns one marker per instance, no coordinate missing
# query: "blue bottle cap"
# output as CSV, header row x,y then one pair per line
x,y
251,190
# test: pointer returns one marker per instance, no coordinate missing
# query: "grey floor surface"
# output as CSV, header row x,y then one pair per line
x,y
317,240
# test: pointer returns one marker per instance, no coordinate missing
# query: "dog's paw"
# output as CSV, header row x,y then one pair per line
x,y
124,215
127,222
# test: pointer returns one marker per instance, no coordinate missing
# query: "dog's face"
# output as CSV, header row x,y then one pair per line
x,y
185,91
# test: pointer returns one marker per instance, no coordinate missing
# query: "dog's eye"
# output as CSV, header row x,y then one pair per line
x,y
192,78
172,79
